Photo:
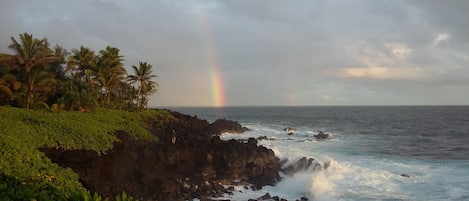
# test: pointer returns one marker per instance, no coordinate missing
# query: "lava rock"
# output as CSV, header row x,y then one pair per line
x,y
290,130
303,164
263,138
321,136
196,166
405,175
228,126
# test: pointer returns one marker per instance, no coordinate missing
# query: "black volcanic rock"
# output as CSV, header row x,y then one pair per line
x,y
321,136
228,126
290,130
303,164
189,128
193,167
405,175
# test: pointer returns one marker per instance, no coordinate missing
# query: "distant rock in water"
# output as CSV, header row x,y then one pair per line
x,y
303,164
405,175
268,197
265,138
321,136
290,130
228,126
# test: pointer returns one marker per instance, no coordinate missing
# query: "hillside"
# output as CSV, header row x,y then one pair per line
x,y
111,154
26,173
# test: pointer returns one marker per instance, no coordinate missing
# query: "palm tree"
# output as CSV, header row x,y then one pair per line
x,y
146,86
31,54
129,95
109,71
58,66
44,84
81,61
76,96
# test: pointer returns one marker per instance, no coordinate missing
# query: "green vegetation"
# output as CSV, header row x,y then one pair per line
x,y
86,196
40,77
27,174
72,100
143,76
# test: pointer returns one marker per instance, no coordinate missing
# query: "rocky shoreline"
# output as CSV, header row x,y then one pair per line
x,y
189,161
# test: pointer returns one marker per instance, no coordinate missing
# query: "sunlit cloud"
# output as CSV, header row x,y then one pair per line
x,y
373,55
326,97
381,61
368,54
382,73
399,50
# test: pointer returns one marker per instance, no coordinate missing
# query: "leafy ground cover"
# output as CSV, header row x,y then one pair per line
x,y
27,174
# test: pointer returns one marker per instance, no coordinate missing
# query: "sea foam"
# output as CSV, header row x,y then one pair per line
x,y
366,156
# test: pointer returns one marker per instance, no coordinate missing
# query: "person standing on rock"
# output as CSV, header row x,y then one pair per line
x,y
173,137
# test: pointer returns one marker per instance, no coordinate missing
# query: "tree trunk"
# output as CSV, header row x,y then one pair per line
x,y
30,91
108,97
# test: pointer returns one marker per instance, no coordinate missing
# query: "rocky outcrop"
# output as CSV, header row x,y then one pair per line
x,y
228,126
196,165
268,197
290,130
190,128
321,136
303,164
405,175
265,138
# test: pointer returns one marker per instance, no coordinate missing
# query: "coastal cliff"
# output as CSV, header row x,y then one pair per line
x,y
196,165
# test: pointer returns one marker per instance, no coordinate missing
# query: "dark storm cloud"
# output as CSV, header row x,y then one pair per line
x,y
271,52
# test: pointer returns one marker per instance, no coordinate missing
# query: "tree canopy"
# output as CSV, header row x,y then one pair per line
x,y
40,77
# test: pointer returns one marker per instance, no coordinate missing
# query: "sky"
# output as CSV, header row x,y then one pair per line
x,y
269,52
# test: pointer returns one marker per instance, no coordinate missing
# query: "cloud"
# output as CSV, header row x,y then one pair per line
x,y
399,50
389,60
382,73
269,51
441,37
379,54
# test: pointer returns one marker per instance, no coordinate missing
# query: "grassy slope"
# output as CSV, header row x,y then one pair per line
x,y
26,173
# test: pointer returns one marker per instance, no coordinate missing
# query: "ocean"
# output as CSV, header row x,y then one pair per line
x,y
369,149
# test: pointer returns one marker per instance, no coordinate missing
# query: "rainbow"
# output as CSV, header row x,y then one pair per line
x,y
218,89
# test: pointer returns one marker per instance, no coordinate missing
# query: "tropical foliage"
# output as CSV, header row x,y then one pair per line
x,y
56,87
27,174
37,76
143,76
86,196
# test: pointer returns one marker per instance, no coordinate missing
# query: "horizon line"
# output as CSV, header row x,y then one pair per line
x,y
371,105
